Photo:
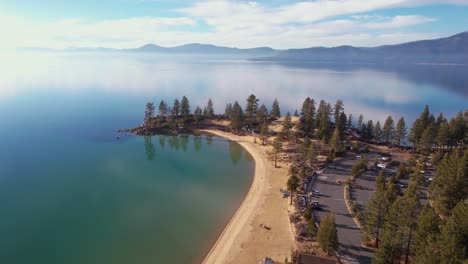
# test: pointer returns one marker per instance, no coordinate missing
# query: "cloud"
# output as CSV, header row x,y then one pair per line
x,y
401,21
230,23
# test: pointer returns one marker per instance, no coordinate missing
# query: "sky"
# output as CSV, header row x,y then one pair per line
x,y
279,24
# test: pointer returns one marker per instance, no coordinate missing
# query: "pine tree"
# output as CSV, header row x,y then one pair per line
x,y
277,148
184,107
341,123
388,129
450,185
360,122
176,108
377,206
411,210
275,109
287,125
149,113
311,227
312,153
350,121
209,109
336,142
426,140
296,114
443,135
251,110
262,114
339,109
426,236
264,132
400,131
163,108
306,120
378,132
292,184
454,238
327,235
237,117
369,130
390,249
197,114
228,110
323,123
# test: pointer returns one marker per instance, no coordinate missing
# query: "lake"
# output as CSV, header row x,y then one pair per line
x,y
71,193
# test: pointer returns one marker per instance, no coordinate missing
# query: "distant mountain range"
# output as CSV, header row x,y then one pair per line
x,y
204,49
453,49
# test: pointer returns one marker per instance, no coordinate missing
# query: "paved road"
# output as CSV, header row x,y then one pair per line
x,y
332,200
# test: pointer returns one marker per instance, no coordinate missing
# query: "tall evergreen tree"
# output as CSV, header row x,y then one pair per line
x,y
209,109
454,239
287,125
306,120
176,108
336,142
296,114
360,122
450,185
426,140
388,129
341,123
197,114
277,148
350,121
251,110
425,241
377,207
163,108
275,109
149,113
237,117
339,109
327,236
228,110
292,184
184,107
262,114
390,250
378,132
264,132
323,123
400,131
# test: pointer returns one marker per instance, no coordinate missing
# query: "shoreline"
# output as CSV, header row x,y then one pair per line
x,y
242,240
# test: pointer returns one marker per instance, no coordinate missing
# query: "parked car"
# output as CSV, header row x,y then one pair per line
x,y
286,194
314,204
315,192
267,260
400,184
381,165
331,166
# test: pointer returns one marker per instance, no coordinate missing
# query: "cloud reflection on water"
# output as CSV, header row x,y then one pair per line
x,y
375,93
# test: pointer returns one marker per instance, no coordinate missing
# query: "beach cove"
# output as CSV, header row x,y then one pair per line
x,y
244,240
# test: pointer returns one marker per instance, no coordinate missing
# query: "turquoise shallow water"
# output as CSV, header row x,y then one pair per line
x,y
75,195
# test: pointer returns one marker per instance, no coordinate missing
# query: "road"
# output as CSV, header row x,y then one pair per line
x,y
332,200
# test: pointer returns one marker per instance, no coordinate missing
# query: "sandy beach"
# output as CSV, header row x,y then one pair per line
x,y
243,239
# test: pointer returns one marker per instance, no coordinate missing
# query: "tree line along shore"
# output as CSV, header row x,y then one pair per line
x,y
397,225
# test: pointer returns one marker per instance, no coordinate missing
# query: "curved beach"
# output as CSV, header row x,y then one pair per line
x,y
243,240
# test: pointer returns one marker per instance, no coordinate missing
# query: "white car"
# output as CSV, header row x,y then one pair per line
x,y
382,166
315,192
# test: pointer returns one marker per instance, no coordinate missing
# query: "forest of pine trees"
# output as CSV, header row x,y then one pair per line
x,y
400,226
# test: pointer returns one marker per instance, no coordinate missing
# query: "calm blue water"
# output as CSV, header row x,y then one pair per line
x,y
71,193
